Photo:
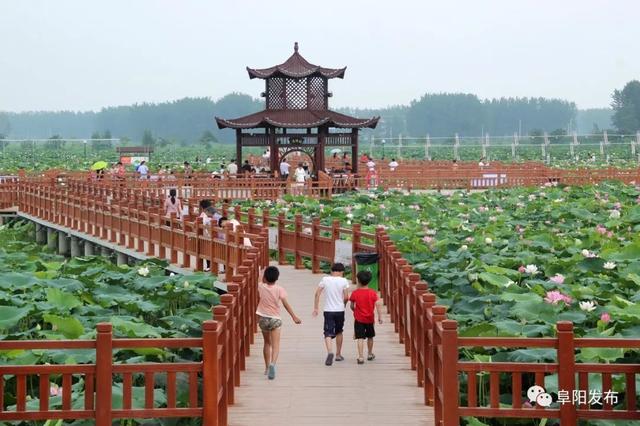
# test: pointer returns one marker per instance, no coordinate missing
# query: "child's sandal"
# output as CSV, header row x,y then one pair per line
x,y
360,361
371,357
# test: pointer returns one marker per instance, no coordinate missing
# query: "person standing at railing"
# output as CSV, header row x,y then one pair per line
x,y
336,290
393,165
372,178
284,169
271,295
232,168
143,170
173,205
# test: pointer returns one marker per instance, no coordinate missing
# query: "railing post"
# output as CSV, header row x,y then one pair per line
x,y
280,235
450,397
566,370
210,373
355,244
103,374
315,233
220,314
297,230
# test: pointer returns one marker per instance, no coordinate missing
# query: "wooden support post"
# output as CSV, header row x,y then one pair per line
x,y
450,396
103,374
566,370
210,373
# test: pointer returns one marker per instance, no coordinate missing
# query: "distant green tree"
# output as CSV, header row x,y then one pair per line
x,y
148,139
207,139
536,133
104,144
626,108
5,124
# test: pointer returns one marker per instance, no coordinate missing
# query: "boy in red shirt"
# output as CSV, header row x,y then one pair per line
x,y
363,301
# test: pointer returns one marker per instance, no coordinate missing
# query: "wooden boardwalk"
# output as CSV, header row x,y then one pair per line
x,y
306,392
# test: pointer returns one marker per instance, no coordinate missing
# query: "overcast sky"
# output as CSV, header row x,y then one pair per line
x,y
82,55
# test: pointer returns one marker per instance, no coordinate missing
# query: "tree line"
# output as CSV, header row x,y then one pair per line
x,y
190,120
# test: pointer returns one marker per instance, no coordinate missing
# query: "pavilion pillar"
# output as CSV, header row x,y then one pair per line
x,y
322,135
354,150
274,158
239,148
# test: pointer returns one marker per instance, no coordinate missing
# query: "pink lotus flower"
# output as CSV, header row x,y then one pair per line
x,y
609,234
382,206
483,209
557,278
601,229
347,209
522,269
427,239
469,239
55,390
605,317
617,206
553,297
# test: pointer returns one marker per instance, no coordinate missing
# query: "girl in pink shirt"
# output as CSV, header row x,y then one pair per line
x,y
269,319
173,205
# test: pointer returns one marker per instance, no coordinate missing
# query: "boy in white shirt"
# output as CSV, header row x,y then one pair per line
x,y
336,289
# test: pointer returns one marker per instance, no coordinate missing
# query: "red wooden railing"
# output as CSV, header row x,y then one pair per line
x,y
433,345
211,381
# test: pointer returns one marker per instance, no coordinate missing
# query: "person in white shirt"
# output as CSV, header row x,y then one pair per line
x,y
336,290
143,170
370,164
300,175
393,164
284,169
232,168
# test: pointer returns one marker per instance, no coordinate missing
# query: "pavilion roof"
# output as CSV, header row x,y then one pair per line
x,y
297,119
296,67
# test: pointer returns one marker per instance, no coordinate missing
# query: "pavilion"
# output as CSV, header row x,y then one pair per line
x,y
297,115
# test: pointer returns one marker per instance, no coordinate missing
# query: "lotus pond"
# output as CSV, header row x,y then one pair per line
x,y
45,296
512,262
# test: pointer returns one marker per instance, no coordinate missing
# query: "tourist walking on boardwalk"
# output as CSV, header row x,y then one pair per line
x,y
363,302
269,320
336,290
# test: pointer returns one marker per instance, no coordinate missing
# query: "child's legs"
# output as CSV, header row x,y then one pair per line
x,y
370,345
338,344
328,342
360,343
275,344
266,351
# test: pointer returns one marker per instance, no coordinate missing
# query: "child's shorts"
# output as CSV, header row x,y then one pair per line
x,y
363,330
333,324
268,324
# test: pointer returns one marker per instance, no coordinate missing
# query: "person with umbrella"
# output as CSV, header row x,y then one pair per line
x,y
99,167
